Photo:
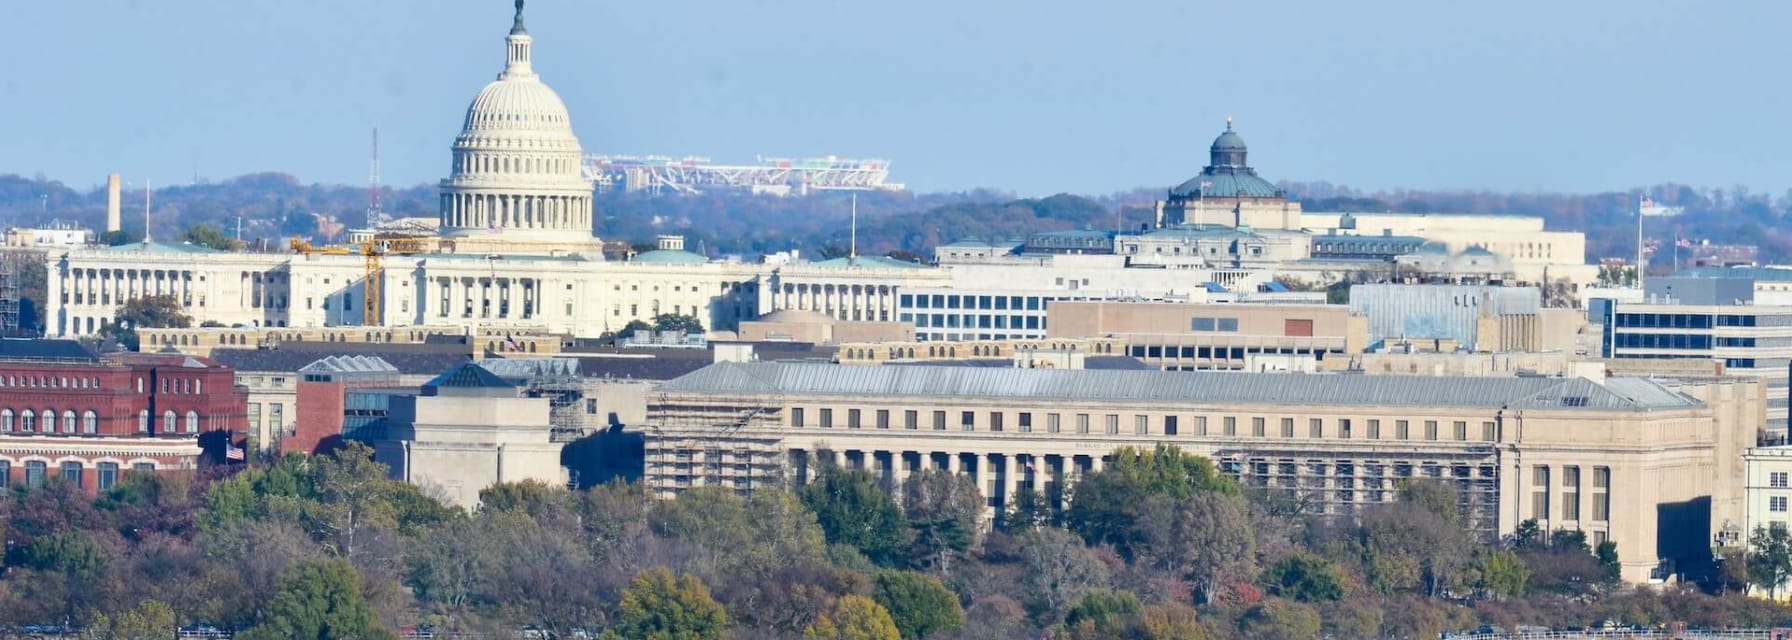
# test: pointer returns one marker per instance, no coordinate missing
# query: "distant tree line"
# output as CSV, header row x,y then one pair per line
x,y
1158,545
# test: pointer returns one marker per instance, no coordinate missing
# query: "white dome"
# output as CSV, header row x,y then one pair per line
x,y
518,104
517,167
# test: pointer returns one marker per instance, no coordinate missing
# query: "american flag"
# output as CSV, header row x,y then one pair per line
x,y
1648,202
233,453
1206,184
1683,243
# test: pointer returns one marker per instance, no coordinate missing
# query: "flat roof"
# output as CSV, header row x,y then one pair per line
x,y
1229,387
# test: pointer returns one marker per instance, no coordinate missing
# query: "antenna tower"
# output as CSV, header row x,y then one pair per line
x,y
374,215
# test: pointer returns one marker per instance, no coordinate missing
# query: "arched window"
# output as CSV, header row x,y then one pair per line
x,y
90,422
5,420
192,422
46,421
198,386
27,421
68,422
143,421
168,422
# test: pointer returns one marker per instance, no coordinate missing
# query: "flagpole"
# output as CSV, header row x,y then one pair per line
x,y
1641,266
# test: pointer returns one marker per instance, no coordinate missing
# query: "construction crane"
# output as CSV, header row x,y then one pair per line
x,y
373,253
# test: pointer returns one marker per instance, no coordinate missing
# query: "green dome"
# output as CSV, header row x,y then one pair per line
x,y
1228,141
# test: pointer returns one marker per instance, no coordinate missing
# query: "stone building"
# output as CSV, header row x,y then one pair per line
x,y
1649,464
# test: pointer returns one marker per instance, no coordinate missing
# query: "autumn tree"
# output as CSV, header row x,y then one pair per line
x,y
942,509
1059,569
659,606
1205,538
853,618
1304,577
1106,504
149,619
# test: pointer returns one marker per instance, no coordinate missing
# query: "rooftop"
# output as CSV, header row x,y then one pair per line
x,y
294,356
868,262
1621,394
42,350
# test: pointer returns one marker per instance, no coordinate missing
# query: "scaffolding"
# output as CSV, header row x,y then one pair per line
x,y
556,379
14,265
1342,484
715,442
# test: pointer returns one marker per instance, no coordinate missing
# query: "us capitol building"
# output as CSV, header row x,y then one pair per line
x,y
515,250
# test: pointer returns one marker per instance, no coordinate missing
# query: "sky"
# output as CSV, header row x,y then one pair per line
x,y
1034,97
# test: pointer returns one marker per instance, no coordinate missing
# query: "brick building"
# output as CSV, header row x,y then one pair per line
x,y
67,412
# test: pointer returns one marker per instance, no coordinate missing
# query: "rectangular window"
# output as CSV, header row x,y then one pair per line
x,y
995,421
108,475
1169,425
1024,422
276,417
34,473
1777,504
911,419
1287,427
852,418
1231,426
1489,431
1113,424
939,421
1602,497
1402,430
1430,429
254,417
1540,492
1200,425
1082,423
1229,325
1461,429
1257,427
1141,425
1316,428
796,417
71,473
883,418
1777,480
1051,423
145,467
5,474
1344,428
1374,429
967,420
827,418
1570,493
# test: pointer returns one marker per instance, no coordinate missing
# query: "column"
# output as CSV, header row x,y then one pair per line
x,y
901,471
953,464
1011,475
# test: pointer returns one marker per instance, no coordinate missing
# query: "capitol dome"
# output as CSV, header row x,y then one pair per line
x,y
516,184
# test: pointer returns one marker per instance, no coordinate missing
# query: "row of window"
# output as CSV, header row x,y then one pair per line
x,y
87,423
973,321
1570,489
37,472
1221,353
956,301
1140,424
51,382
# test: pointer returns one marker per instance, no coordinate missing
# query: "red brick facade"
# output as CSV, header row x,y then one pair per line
x,y
89,419
319,416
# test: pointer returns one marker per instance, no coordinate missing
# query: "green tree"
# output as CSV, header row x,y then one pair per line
x,y
1607,554
352,490
659,606
1279,620
537,499
1433,496
1103,614
73,555
1106,504
1304,577
853,618
919,603
747,539
1029,511
319,599
635,326
148,312
1499,574
852,509
150,619
942,509
1528,535
1769,559
119,238
1564,540
202,235
677,322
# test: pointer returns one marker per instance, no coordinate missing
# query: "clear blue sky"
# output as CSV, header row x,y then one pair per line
x,y
1033,96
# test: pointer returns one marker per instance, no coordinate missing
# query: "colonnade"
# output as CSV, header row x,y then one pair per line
x,y
503,298
479,211
999,476
850,302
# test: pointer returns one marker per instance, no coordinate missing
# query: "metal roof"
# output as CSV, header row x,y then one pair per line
x,y
349,364
469,376
1233,387
531,368
46,349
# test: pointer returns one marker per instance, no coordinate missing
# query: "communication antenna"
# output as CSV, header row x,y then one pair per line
x,y
373,179
852,252
145,211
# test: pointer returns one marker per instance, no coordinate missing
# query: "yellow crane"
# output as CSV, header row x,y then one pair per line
x,y
372,253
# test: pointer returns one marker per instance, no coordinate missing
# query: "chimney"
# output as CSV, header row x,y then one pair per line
x,y
113,220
